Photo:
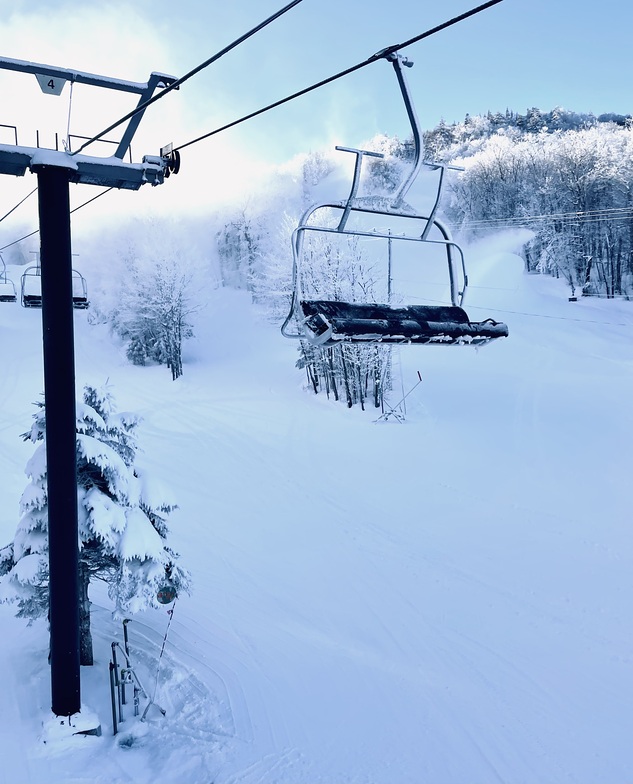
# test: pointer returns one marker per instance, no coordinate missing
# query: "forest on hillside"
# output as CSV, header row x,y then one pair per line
x,y
567,177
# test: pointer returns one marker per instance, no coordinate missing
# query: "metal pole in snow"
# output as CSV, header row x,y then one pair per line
x,y
115,726
59,399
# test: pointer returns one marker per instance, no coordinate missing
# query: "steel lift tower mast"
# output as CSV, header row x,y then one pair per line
x,y
55,171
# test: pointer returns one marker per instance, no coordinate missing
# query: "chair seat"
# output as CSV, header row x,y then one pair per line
x,y
328,322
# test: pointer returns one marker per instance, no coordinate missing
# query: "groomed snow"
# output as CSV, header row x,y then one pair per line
x,y
445,601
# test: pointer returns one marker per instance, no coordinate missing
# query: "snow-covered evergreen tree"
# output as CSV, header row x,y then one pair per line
x,y
158,286
152,314
122,521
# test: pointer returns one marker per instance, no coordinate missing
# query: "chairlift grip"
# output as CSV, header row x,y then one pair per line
x,y
397,62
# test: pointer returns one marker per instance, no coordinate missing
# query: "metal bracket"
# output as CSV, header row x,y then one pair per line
x,y
144,90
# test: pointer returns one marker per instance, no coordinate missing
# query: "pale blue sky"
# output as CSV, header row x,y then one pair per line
x,y
517,54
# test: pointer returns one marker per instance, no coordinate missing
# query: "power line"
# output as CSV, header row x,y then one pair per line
x,y
548,219
382,54
571,218
569,223
575,214
544,315
175,85
524,313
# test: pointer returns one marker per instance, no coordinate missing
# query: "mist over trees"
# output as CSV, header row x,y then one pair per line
x,y
151,289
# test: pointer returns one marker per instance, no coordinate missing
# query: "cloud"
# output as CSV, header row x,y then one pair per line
x,y
121,42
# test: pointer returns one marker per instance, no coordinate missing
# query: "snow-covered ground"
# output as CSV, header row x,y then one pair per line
x,y
444,601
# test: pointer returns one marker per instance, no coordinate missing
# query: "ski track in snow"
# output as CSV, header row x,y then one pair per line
x,y
437,602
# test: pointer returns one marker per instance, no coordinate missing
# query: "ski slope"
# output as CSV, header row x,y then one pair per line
x,y
444,601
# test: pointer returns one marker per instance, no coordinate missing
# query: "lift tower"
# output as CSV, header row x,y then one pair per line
x,y
55,170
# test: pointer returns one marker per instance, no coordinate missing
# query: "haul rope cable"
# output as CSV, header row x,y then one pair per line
x,y
382,54
18,204
175,85
26,236
131,114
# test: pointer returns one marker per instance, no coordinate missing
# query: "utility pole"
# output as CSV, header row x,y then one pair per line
x,y
55,171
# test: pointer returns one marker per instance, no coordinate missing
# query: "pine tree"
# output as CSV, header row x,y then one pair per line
x,y
122,521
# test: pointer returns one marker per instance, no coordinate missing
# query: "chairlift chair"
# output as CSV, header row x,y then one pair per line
x,y
330,322
32,289
7,287
80,291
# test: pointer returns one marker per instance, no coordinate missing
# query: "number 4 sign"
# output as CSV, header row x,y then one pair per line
x,y
50,84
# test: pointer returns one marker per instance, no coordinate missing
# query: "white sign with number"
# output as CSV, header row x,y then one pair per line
x,y
50,84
